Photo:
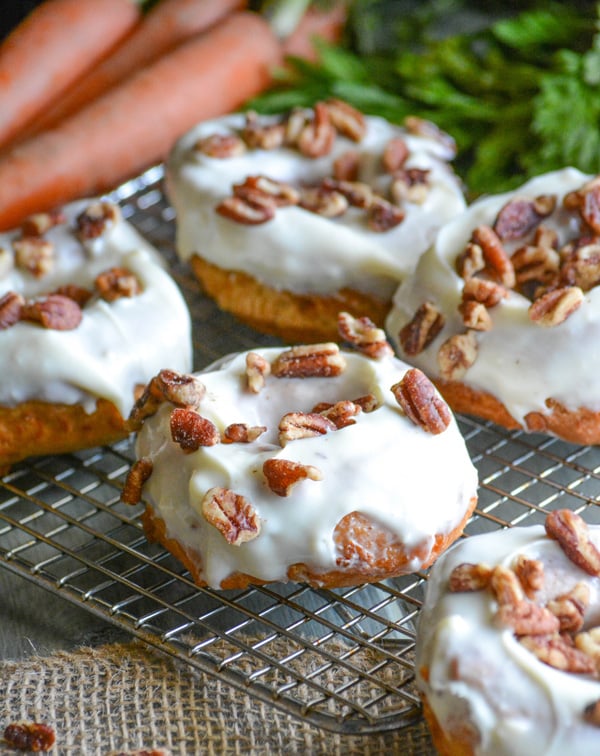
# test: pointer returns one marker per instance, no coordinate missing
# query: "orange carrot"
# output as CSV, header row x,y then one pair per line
x,y
51,48
164,27
325,23
133,125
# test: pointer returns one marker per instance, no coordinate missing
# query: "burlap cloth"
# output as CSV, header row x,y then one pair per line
x,y
127,696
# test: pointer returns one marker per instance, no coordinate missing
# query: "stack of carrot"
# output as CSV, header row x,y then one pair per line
x,y
93,93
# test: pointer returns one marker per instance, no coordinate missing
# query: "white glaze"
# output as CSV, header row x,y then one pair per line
x,y
382,466
298,250
520,363
117,345
520,705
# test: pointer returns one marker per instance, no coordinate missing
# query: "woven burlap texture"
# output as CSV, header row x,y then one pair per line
x,y
127,696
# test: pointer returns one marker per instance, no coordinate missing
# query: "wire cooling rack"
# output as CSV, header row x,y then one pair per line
x,y
341,659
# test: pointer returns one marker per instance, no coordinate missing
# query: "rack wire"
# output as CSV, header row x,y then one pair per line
x,y
342,659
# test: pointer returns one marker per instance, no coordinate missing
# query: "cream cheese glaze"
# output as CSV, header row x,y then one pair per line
x,y
301,251
519,362
381,466
518,705
117,346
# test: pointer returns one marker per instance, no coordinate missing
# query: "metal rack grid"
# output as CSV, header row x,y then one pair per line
x,y
341,659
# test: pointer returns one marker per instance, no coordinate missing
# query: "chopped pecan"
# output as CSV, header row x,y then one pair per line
x,y
363,334
257,369
475,315
587,201
308,361
346,167
39,223
591,713
419,332
535,263
282,475
34,254
470,261
497,262
138,474
410,185
555,306
417,396
428,129
7,261
506,586
341,413
570,608
248,212
395,154
367,403
11,305
279,192
221,146
383,216
349,121
469,577
323,201
115,283
260,135
53,311
295,425
589,643
29,736
231,514
317,137
96,219
357,193
180,389
557,651
488,293
294,124
456,355
76,293
521,215
530,573
581,264
191,431
526,618
571,532
242,433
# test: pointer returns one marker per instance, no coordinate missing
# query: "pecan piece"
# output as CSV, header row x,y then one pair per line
x,y
317,137
535,263
7,261
248,212
589,643
395,154
556,651
488,293
526,618
475,315
587,201
279,192
419,332
357,193
310,361
221,146
34,254
570,608
346,166
231,514
349,121
456,355
180,389
322,201
469,577
39,223
242,433
530,573
191,431
363,334
263,136
115,283
470,261
76,293
295,425
138,474
553,307
29,736
54,311
11,305
581,264
506,586
342,413
257,369
367,403
383,216
417,396
96,220
520,215
282,475
498,265
410,185
429,130
571,532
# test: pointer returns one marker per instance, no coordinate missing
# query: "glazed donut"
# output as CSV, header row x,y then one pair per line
x,y
503,311
287,219
508,642
87,314
307,463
